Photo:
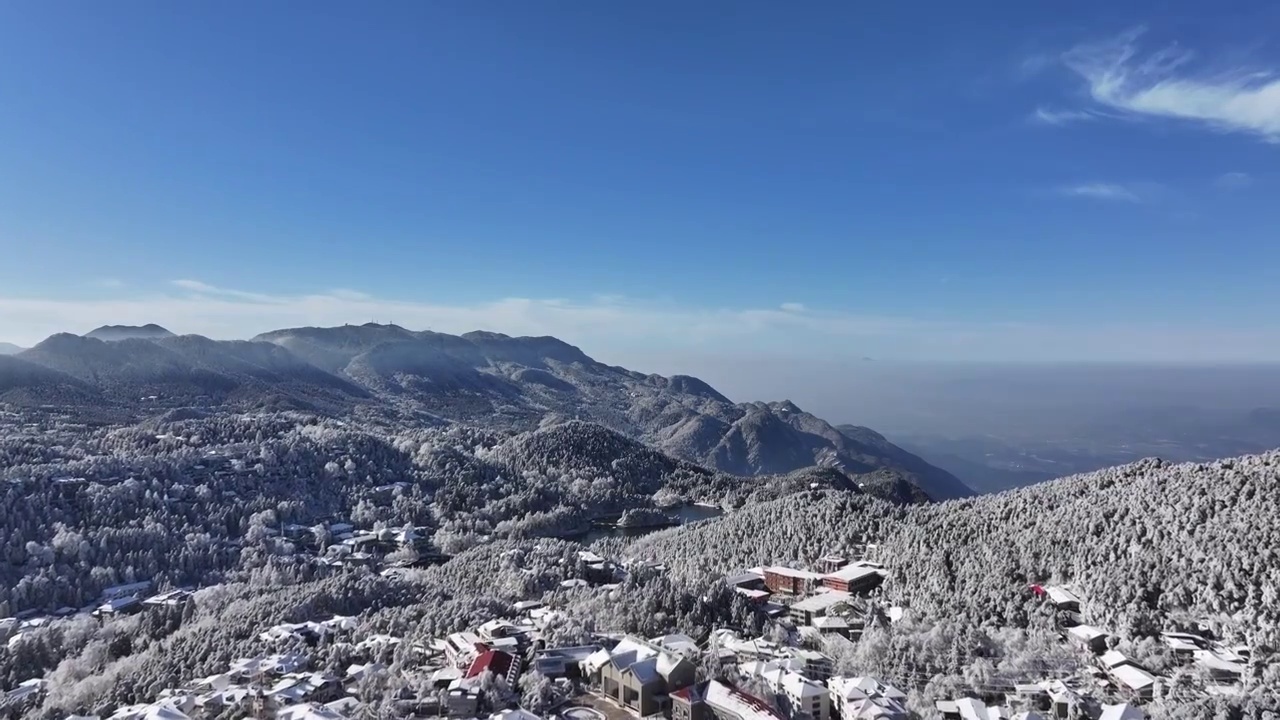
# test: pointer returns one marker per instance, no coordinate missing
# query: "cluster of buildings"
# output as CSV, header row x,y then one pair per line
x,y
118,600
455,676
829,600
729,676
1224,665
754,680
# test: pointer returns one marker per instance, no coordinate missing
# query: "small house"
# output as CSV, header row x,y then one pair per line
x,y
1088,637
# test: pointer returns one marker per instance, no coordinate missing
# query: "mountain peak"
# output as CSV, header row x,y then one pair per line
x,y
113,333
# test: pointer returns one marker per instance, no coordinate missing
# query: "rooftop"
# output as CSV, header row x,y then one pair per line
x,y
853,572
1086,632
1062,596
793,573
821,601
738,703
1134,678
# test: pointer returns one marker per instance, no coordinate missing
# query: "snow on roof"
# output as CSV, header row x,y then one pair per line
x,y
738,703
1088,633
344,705
26,689
1060,595
974,709
359,671
862,687
155,711
829,623
117,604
628,651
1180,642
821,602
1134,678
879,707
807,655
667,664
1059,692
517,714
1114,658
799,686
449,673
578,652
853,572
1213,661
677,643
1121,712
462,641
309,711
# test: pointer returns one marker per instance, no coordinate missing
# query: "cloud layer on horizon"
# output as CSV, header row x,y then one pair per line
x,y
614,329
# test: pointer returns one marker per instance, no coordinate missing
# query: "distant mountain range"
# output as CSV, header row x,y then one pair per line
x,y
480,378
9,348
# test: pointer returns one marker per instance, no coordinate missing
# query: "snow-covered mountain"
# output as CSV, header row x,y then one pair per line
x,y
482,379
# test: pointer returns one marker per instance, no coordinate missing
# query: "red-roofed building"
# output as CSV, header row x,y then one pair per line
x,y
504,665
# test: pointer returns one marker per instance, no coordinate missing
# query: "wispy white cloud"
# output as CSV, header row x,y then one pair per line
x,y
1049,116
1233,180
1102,191
632,332
1166,83
197,287
1033,64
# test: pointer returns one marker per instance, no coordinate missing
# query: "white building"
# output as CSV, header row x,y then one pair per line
x,y
797,695
460,648
864,698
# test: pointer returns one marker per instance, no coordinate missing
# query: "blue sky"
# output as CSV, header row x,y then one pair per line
x,y
901,180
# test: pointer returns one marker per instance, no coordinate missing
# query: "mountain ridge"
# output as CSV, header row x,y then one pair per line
x,y
484,379
150,331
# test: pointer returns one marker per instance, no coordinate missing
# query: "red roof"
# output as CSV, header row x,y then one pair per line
x,y
495,661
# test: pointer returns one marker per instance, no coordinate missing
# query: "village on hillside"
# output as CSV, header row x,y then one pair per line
x,y
504,669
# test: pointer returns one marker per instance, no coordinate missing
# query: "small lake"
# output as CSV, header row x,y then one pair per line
x,y
682,515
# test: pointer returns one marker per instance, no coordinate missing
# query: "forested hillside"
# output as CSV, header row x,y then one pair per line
x,y
173,499
1151,547
403,378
